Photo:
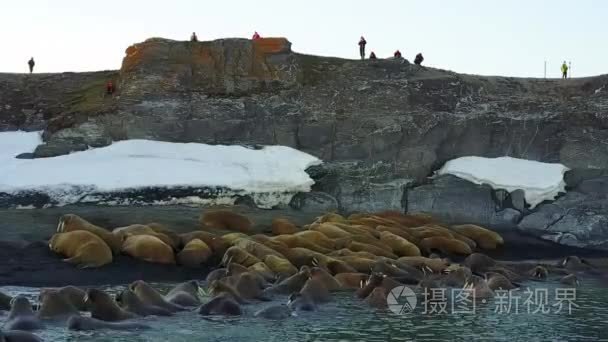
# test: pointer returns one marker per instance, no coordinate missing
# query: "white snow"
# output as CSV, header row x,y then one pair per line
x,y
539,181
133,164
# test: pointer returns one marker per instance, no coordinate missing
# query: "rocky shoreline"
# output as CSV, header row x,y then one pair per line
x,y
28,261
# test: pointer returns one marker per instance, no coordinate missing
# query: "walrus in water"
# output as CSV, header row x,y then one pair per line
x,y
291,284
76,322
184,294
18,336
497,281
150,296
329,282
538,273
218,287
377,299
351,281
275,312
478,287
21,316
103,307
570,279
55,306
222,304
71,294
5,301
216,274
129,301
576,264
299,301
248,287
315,289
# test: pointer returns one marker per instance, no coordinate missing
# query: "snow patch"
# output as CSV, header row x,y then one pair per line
x,y
539,181
270,175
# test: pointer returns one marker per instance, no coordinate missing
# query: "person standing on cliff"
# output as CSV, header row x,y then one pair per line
x,y
193,37
362,43
31,63
564,70
418,60
256,36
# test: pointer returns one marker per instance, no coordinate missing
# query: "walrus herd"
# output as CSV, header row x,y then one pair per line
x,y
366,254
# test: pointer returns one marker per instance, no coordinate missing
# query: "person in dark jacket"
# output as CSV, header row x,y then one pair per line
x,y
418,60
362,43
193,37
110,87
372,55
31,63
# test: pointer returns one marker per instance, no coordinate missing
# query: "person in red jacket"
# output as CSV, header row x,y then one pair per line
x,y
110,87
397,54
255,36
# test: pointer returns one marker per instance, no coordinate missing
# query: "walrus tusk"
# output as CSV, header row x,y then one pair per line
x,y
428,268
315,262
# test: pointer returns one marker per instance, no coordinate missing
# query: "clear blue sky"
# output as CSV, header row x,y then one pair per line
x,y
490,37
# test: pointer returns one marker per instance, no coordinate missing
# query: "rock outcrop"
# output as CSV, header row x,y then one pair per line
x,y
380,126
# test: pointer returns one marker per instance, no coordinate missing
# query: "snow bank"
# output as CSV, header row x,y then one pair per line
x,y
539,181
136,164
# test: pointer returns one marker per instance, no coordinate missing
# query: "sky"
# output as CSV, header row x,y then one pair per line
x,y
487,37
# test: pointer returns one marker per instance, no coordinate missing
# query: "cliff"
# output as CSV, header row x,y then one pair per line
x,y
381,127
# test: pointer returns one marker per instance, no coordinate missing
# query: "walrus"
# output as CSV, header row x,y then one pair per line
x,y
399,232
270,243
150,296
333,265
479,262
347,252
5,301
328,281
226,220
274,312
358,263
216,274
256,249
389,267
316,237
295,241
71,222
358,229
148,248
299,301
433,265
280,266
140,229
248,287
330,217
407,220
362,247
351,281
103,307
400,246
456,276
240,256
184,294
74,295
222,304
574,263
55,306
79,323
263,270
217,243
18,336
82,248
236,270
485,238
444,245
128,300
570,279
218,287
478,287
291,284
315,289
283,226
538,273
377,298
195,253
374,280
162,229
365,239
330,230
497,281
21,316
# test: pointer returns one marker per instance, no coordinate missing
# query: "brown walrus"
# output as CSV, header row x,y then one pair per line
x,y
377,298
315,289
55,306
194,254
71,222
150,296
82,248
71,294
103,307
129,301
225,219
21,316
222,304
291,284
184,294
148,248
18,336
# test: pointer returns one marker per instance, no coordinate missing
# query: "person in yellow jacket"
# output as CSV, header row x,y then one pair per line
x,y
564,70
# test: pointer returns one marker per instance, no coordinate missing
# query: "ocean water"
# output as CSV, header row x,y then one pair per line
x,y
349,319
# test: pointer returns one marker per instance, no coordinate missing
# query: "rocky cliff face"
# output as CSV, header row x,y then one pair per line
x,y
380,126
